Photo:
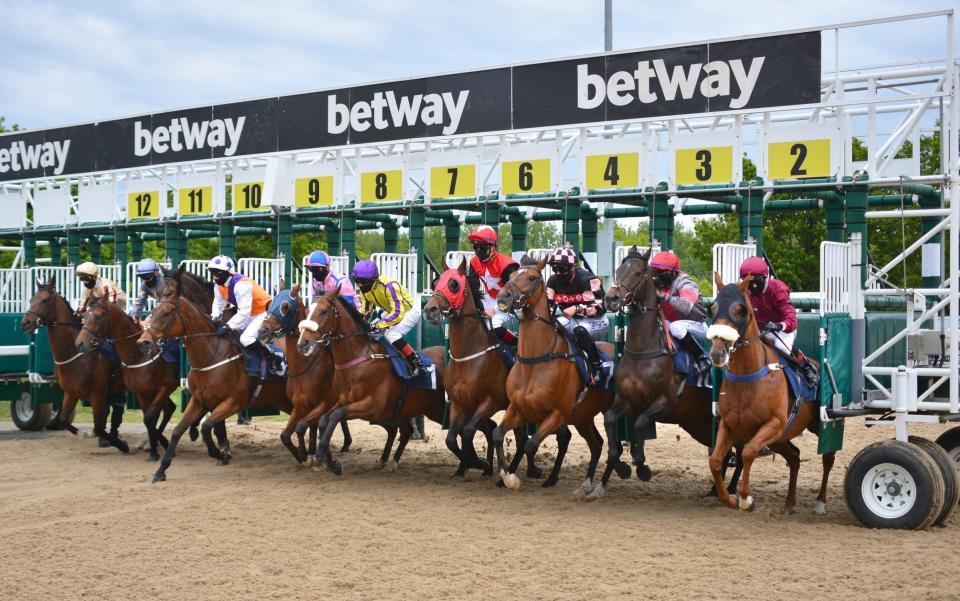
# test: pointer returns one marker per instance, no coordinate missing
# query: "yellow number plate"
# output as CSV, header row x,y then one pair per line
x,y
143,205
455,181
526,177
195,201
610,171
247,196
314,191
704,165
799,159
381,186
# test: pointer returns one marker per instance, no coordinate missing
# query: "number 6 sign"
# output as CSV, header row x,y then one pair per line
x,y
529,169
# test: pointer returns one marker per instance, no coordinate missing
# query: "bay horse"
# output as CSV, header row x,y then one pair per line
x,y
81,375
308,378
755,402
648,389
365,383
151,379
476,377
217,379
544,385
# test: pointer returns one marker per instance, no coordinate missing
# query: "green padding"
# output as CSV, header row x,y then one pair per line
x,y
10,390
836,352
41,357
45,393
10,335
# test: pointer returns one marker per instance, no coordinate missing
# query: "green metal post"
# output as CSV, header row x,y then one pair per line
x,y
73,247
175,242
332,232
836,219
29,250
571,222
228,241
284,245
348,236
96,250
56,252
391,235
451,233
120,253
518,233
417,219
751,217
661,221
136,248
490,214
856,201
589,227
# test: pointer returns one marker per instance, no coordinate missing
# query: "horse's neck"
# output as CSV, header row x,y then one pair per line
x,y
536,333
467,335
198,295
642,326
63,338
121,330
199,349
351,347
751,357
290,339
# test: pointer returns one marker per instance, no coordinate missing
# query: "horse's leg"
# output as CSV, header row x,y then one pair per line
x,y
719,455
150,416
391,436
553,423
614,450
67,409
220,431
563,441
457,420
520,436
469,450
347,439
590,433
168,410
791,453
228,407
486,426
657,410
287,434
737,469
312,444
822,497
190,416
99,405
512,420
768,434
324,458
406,431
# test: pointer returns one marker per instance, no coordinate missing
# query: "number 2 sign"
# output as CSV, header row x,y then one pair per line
x,y
801,152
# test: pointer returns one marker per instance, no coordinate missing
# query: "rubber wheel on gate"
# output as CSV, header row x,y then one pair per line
x,y
893,484
951,479
28,416
950,441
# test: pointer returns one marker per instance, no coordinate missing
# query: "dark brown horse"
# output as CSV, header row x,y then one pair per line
x,y
647,387
217,380
151,379
365,383
308,378
476,377
85,375
545,384
754,401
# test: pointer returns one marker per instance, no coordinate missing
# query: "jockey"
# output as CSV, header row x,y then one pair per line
x,y
579,296
95,286
151,283
401,313
325,278
494,270
250,300
679,297
776,315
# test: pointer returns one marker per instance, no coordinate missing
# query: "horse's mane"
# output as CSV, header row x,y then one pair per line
x,y
53,289
202,283
634,254
354,314
473,283
102,302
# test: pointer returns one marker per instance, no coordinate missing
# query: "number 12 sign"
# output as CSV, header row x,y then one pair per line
x,y
145,199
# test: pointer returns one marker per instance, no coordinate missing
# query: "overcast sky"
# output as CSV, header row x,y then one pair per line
x,y
74,62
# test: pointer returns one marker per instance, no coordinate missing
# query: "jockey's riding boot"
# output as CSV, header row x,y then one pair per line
x,y
413,359
582,337
693,348
809,373
274,362
505,336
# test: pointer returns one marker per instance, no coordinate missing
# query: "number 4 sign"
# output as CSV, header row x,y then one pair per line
x,y
611,164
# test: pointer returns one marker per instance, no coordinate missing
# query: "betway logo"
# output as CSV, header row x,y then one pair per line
x,y
182,134
429,109
23,157
624,87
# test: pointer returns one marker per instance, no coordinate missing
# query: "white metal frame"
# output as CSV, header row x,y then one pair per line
x,y
400,266
727,259
266,272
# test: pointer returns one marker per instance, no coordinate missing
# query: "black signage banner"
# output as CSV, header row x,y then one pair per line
x,y
722,76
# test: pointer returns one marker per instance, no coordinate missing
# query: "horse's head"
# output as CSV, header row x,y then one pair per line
x,y
449,295
321,322
95,325
733,320
282,317
165,322
525,286
631,281
42,308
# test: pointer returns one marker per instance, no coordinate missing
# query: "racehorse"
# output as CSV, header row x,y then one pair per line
x,y
647,387
308,378
366,385
82,375
217,380
755,405
545,386
476,377
151,379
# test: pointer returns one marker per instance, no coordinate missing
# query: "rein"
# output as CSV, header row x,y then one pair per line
x,y
328,338
550,355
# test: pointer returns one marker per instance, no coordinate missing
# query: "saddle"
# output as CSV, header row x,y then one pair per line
x,y
684,364
426,380
579,356
259,366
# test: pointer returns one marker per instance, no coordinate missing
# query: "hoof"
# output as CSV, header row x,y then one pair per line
x,y
144,444
345,448
821,508
745,503
510,480
587,485
786,510
534,473
551,481
643,473
308,462
153,457
481,465
335,468
194,434
622,469
223,460
122,446
597,493
102,442
159,478
391,466
319,467
487,472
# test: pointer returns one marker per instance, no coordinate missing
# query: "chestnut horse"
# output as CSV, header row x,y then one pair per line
x,y
308,378
544,385
217,380
151,379
476,377
82,375
754,401
365,383
647,387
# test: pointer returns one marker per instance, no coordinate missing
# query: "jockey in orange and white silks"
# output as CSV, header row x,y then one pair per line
x,y
243,293
493,269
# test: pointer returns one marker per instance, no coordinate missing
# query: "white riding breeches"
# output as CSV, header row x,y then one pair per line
x,y
680,328
782,340
597,326
394,333
249,335
497,317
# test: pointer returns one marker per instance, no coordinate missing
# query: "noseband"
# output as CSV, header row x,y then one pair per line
x,y
521,299
630,298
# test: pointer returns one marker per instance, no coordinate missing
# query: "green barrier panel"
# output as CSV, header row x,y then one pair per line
x,y
836,352
10,335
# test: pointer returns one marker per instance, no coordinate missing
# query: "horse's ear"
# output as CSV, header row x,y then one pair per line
x,y
332,293
645,256
718,282
52,283
541,264
526,260
181,270
295,291
462,269
744,286
282,284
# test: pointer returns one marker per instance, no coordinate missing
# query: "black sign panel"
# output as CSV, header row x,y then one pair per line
x,y
689,80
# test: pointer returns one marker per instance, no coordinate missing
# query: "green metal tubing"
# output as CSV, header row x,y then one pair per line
x,y
619,212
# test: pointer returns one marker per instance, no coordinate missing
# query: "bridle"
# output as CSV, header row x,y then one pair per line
x,y
521,300
41,320
630,299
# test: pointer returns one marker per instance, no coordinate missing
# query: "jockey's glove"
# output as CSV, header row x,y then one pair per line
x,y
224,330
773,326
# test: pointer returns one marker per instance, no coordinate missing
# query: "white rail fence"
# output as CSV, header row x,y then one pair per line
x,y
727,259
